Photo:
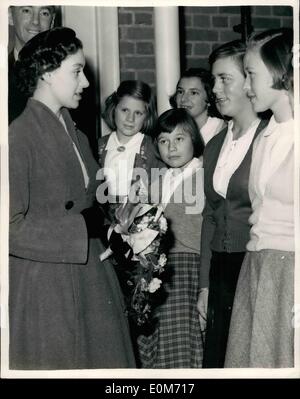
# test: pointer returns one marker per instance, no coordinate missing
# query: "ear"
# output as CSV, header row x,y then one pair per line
x,y
285,81
10,17
46,77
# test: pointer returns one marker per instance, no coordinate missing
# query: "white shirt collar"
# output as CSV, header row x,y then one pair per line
x,y
187,171
16,54
211,128
174,176
273,125
193,165
113,142
229,135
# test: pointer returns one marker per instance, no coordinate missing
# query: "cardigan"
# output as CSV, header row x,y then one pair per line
x,y
271,189
184,213
225,226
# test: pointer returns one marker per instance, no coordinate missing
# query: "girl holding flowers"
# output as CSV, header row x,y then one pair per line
x,y
126,155
176,339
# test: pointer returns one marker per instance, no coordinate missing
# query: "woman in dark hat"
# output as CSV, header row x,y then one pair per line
x,y
66,309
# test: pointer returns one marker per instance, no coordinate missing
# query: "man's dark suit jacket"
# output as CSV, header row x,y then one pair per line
x,y
16,99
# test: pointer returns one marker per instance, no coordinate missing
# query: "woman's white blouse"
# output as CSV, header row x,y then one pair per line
x,y
271,188
231,155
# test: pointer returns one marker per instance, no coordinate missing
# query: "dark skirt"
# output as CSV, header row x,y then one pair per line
x,y
223,276
66,316
176,341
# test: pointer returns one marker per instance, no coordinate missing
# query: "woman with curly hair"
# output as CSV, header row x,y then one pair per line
x,y
65,305
194,93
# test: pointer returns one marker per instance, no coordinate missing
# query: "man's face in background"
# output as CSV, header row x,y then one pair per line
x,y
29,21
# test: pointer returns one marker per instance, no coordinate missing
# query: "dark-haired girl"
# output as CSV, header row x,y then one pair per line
x,y
194,93
176,341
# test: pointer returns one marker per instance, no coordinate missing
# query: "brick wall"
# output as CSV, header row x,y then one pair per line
x,y
136,33
201,30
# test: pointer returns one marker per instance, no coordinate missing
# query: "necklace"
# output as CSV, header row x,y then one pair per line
x,y
121,148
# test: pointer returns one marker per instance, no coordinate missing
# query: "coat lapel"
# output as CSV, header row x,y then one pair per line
x,y
72,130
57,142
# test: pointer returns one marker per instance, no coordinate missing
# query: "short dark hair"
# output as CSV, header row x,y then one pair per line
x,y
275,47
203,75
235,49
168,121
138,90
44,53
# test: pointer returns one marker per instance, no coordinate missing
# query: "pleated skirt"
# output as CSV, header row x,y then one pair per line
x,y
261,331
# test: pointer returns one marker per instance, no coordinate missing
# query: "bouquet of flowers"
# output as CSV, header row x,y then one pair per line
x,y
142,227
145,239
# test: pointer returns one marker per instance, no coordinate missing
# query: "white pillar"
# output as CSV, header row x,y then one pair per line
x,y
167,56
108,45
97,27
79,18
108,54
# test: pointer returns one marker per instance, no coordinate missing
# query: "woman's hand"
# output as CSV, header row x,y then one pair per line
x,y
202,307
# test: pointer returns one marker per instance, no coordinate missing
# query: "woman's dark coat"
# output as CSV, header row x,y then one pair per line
x,y
65,306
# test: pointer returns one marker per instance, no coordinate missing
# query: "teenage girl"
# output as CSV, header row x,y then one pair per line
x,y
261,331
176,340
225,228
194,93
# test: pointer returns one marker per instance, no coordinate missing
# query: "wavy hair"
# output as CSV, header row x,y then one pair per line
x,y
44,53
206,79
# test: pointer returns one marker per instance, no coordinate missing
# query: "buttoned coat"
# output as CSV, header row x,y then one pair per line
x,y
66,309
